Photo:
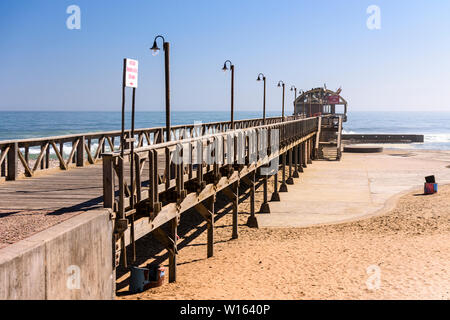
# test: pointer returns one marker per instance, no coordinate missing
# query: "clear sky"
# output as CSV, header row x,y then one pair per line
x,y
405,65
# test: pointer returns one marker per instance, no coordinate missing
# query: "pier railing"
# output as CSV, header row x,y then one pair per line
x,y
28,156
154,184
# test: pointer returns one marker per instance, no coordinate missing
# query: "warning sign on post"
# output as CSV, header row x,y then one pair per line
x,y
131,73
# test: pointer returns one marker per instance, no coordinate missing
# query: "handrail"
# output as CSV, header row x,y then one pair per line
x,y
169,178
164,178
87,148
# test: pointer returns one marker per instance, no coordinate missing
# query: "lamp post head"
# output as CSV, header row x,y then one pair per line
x,y
261,77
225,68
280,83
155,49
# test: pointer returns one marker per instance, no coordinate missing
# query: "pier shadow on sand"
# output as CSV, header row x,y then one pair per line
x,y
191,223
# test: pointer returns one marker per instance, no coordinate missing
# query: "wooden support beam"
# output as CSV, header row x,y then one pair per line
x,y
207,212
290,179
235,200
304,154
80,151
295,152
108,181
275,194
283,186
174,251
299,158
12,171
252,222
169,241
309,150
265,208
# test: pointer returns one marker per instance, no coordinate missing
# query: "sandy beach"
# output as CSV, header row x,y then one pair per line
x,y
406,248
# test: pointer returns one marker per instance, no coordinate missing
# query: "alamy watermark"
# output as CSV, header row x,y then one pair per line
x,y
73,22
374,20
74,277
374,280
236,147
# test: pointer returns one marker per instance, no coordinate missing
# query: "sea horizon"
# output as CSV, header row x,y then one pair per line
x,y
435,126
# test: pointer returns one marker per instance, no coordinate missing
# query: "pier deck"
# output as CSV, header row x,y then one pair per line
x,y
31,205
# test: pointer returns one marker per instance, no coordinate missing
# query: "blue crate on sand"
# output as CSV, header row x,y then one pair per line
x,y
430,188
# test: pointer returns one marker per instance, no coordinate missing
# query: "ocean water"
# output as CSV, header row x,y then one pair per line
x,y
21,125
435,126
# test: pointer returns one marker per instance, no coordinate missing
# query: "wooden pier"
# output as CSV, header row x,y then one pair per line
x,y
150,188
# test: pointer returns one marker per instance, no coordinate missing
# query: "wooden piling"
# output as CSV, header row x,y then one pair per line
x,y
173,252
290,179
235,189
12,162
283,186
252,222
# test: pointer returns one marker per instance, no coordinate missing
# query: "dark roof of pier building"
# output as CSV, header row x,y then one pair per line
x,y
319,96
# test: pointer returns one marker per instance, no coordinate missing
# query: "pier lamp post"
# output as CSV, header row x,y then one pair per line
x,y
265,205
293,88
263,78
155,50
293,153
232,89
283,186
281,84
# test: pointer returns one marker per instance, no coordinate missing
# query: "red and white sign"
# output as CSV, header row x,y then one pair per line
x,y
131,73
333,99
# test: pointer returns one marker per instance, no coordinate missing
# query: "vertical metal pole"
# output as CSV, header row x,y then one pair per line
x,y
121,169
133,243
264,104
167,78
282,106
232,97
122,134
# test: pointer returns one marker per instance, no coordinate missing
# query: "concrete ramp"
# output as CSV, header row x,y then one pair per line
x,y
357,186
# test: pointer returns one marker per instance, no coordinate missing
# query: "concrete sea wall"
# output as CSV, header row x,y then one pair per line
x,y
72,260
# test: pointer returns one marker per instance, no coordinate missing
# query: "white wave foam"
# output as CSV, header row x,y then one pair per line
x,y
437,138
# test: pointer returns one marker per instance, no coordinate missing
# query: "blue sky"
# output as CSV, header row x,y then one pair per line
x,y
403,66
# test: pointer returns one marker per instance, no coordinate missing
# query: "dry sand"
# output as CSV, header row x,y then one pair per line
x,y
409,244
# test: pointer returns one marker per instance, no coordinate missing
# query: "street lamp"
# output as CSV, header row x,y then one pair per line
x,y
155,50
293,88
232,89
281,84
263,78
265,205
